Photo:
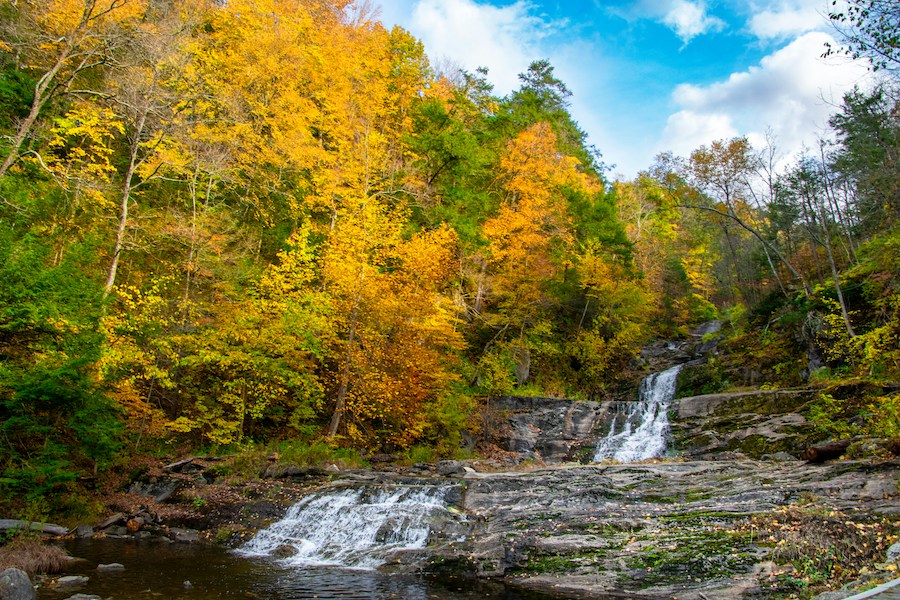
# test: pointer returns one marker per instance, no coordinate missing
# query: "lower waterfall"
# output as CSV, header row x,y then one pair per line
x,y
356,527
641,431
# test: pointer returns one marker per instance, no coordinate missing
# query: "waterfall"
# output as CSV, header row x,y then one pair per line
x,y
356,527
641,431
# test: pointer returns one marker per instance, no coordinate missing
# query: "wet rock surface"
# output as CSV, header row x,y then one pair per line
x,y
548,429
752,423
650,530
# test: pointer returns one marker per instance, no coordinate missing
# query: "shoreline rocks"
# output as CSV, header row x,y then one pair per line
x,y
16,585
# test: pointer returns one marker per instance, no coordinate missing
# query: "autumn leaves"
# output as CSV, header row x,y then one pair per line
x,y
299,228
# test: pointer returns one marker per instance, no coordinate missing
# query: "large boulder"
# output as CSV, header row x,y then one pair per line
x,y
549,429
15,585
757,424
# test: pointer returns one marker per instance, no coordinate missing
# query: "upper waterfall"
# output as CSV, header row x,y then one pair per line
x,y
641,432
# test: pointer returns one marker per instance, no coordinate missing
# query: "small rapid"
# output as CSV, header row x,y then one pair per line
x,y
356,527
642,430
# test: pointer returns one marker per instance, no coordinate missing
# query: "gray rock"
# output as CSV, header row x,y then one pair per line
x,y
549,429
446,468
780,456
596,522
893,553
15,585
84,531
112,520
111,567
839,595
160,489
276,471
84,597
186,536
48,528
72,580
116,531
285,551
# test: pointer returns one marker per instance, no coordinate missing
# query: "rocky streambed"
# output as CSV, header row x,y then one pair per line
x,y
729,528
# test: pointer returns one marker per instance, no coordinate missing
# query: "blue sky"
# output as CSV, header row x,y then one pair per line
x,y
653,75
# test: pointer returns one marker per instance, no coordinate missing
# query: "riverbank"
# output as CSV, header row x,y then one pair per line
x,y
686,529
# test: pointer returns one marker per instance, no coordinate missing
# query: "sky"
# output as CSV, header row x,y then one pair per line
x,y
649,76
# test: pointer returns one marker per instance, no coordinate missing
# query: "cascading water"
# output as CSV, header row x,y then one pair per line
x,y
356,527
641,431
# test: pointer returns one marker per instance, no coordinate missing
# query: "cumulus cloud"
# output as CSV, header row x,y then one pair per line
x,y
792,90
787,18
690,19
687,18
503,38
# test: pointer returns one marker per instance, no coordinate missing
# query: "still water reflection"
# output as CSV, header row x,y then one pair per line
x,y
157,570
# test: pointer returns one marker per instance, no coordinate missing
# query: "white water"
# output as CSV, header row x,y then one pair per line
x,y
641,432
354,527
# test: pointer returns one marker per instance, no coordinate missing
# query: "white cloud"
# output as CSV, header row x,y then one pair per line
x,y
687,18
793,91
786,18
690,19
503,39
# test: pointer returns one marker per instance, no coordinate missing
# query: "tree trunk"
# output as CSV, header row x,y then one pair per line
x,y
46,86
127,187
834,272
345,374
826,451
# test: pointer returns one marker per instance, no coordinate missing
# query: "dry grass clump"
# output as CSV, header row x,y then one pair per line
x,y
32,556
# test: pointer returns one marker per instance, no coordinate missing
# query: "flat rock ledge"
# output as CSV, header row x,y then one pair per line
x,y
653,530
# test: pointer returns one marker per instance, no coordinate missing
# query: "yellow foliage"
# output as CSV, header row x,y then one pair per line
x,y
81,149
874,352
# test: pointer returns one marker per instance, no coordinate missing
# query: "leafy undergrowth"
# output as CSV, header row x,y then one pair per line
x,y
822,549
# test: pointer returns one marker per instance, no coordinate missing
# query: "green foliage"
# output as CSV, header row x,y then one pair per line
x,y
298,452
447,419
834,417
55,420
875,349
16,94
871,29
420,454
866,412
884,419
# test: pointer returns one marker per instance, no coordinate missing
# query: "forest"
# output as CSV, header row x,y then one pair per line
x,y
261,224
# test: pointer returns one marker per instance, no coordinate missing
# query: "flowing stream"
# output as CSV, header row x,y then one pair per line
x,y
641,431
356,527
155,570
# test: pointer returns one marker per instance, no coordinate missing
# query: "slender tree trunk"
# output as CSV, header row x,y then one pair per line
x,y
42,93
834,205
809,215
826,237
345,371
127,187
479,293
46,86
775,271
